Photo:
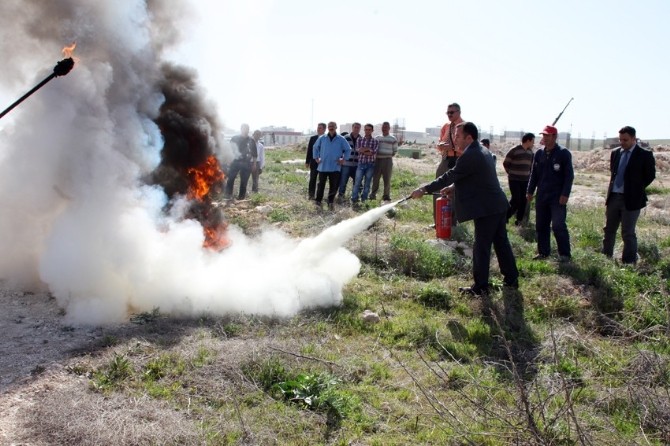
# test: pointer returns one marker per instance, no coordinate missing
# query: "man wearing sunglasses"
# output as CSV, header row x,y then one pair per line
x,y
448,149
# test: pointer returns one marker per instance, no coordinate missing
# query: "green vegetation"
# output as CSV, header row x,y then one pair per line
x,y
580,354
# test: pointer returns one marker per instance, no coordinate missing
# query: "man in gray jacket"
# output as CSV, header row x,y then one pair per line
x,y
478,197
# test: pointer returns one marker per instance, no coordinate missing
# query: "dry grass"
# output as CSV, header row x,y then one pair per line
x,y
529,367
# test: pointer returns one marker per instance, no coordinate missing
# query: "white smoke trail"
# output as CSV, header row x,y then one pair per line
x,y
75,215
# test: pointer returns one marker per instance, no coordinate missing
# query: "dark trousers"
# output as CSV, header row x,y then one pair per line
x,y
333,183
446,164
313,175
347,172
517,204
243,168
551,217
615,215
491,230
383,170
254,179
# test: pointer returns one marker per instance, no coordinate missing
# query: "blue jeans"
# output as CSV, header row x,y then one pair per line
x,y
346,172
551,217
364,171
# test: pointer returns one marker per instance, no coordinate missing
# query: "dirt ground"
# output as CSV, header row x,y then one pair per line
x,y
37,344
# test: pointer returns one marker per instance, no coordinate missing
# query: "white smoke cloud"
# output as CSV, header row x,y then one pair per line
x,y
75,216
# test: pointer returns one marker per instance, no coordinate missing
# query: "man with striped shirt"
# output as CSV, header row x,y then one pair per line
x,y
517,164
387,149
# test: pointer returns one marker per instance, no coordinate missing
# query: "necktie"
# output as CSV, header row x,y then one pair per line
x,y
623,162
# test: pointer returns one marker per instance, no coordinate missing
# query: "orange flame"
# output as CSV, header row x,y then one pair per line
x,y
215,238
68,50
202,178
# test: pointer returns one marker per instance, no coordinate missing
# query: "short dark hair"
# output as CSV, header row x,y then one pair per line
x,y
321,124
628,130
455,105
527,137
386,123
486,141
355,123
370,126
469,128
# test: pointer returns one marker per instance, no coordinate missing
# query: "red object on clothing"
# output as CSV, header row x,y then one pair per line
x,y
443,226
549,130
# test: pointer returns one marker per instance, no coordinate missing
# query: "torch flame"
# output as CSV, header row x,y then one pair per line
x,y
68,50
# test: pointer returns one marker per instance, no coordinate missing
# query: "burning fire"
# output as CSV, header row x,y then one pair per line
x,y
201,181
203,178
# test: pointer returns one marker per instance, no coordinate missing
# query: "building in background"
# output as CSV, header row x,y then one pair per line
x,y
281,136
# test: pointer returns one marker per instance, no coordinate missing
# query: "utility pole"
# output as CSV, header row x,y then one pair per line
x,y
311,121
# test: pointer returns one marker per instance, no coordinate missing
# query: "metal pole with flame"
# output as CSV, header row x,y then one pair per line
x,y
62,68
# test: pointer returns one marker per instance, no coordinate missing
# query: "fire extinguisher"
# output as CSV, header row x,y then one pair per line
x,y
443,226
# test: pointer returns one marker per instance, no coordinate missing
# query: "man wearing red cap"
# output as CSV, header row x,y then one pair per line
x,y
552,175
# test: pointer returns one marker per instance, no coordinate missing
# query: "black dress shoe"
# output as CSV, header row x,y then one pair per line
x,y
513,285
473,291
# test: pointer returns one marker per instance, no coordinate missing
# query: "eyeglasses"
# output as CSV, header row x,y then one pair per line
x,y
452,112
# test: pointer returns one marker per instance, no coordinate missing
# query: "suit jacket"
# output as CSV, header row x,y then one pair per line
x,y
310,146
640,172
478,192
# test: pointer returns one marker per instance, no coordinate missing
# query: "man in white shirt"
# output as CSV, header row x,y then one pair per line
x,y
261,160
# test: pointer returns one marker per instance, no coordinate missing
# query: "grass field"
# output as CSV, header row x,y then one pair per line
x,y
578,355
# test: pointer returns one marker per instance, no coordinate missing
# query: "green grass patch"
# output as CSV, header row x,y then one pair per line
x,y
416,258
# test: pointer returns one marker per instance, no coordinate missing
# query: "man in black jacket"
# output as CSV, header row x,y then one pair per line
x,y
552,174
632,169
310,163
478,197
246,161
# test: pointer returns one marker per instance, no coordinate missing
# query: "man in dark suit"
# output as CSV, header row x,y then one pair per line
x,y
478,197
632,169
311,163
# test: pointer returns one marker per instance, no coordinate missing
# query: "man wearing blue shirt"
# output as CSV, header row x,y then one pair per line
x,y
330,152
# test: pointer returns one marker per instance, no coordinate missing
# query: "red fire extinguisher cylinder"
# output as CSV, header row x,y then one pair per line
x,y
443,226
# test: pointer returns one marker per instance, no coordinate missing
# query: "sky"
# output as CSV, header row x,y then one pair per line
x,y
509,64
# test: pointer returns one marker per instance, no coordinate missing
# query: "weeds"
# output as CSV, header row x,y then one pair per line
x,y
579,355
313,391
114,374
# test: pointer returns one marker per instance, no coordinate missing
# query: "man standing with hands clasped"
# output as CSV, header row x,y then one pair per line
x,y
330,152
632,169
552,175
478,197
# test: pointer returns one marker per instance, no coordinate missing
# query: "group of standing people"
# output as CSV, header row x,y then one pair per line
x,y
338,158
468,175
